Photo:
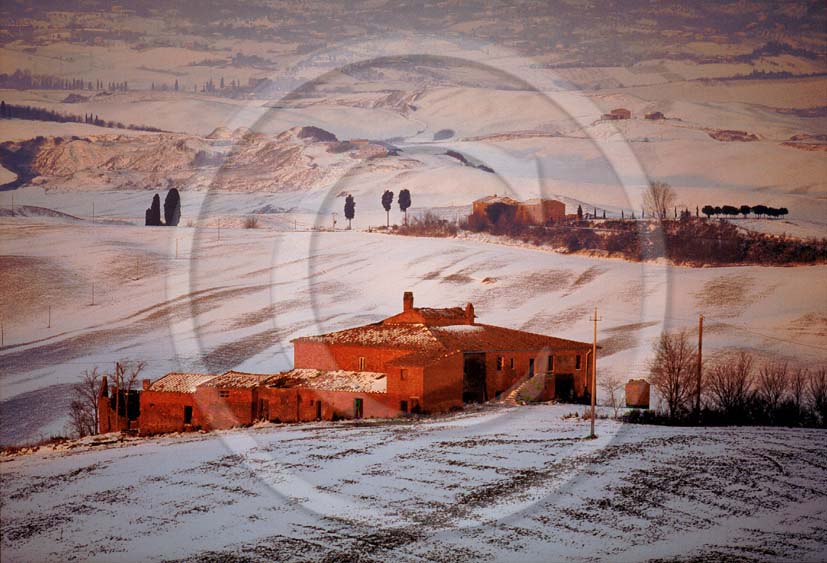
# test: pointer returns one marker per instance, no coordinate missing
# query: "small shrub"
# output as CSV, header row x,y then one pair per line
x,y
251,222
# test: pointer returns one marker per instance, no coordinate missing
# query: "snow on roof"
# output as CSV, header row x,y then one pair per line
x,y
334,380
434,339
237,379
409,335
492,338
180,382
497,198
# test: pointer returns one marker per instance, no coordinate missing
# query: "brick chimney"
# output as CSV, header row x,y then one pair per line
x,y
146,384
407,301
469,313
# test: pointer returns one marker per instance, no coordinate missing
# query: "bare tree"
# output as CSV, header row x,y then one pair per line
x,y
658,199
613,384
125,377
817,391
729,383
673,371
772,384
798,387
83,410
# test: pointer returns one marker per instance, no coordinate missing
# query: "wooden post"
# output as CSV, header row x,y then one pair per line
x,y
176,248
700,367
93,211
594,371
50,317
93,292
2,334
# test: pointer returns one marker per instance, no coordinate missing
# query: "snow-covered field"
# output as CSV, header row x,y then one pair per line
x,y
495,484
81,294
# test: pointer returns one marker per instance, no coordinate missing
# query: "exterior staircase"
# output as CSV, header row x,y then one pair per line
x,y
523,385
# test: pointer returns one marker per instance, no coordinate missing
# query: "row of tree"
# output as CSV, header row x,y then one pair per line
x,y
734,390
172,210
404,202
745,210
25,80
13,111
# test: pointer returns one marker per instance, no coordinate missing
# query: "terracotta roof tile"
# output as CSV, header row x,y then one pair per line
x,y
409,336
237,379
333,380
180,382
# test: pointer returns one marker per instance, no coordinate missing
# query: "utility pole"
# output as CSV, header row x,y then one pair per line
x,y
93,211
594,371
176,248
93,292
50,317
700,367
2,333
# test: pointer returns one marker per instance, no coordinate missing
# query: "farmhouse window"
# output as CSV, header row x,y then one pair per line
x,y
500,363
224,393
550,363
362,363
512,363
577,361
531,366
403,374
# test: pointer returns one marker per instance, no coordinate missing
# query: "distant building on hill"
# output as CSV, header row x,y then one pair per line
x,y
422,360
618,113
654,116
536,211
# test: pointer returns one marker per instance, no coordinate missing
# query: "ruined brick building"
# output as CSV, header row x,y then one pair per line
x,y
422,360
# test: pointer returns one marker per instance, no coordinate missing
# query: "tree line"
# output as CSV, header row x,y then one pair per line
x,y
22,79
735,388
745,210
13,111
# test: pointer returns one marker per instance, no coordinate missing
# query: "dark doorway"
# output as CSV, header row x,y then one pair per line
x,y
263,409
564,387
318,410
403,406
187,415
473,381
531,367
357,408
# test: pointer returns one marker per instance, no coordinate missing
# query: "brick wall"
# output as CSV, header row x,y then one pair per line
x,y
292,405
163,411
442,384
317,355
225,408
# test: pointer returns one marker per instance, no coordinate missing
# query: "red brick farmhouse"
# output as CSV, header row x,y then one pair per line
x,y
421,360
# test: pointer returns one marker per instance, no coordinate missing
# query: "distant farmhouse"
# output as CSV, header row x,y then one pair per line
x,y
422,360
618,113
531,212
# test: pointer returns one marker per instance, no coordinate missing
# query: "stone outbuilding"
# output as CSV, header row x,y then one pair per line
x,y
637,394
